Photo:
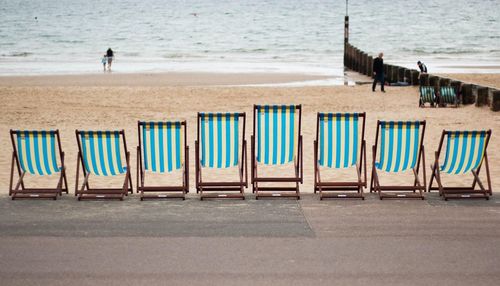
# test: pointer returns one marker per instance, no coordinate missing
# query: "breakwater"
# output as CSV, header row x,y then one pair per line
x,y
468,93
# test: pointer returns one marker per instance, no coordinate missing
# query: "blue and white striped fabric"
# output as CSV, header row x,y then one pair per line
x,y
162,146
277,134
338,139
399,145
37,152
464,151
219,139
101,152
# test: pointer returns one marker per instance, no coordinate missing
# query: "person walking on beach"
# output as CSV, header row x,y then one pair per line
x,y
104,60
378,72
110,55
422,67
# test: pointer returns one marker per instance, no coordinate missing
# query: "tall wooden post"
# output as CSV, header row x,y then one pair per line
x,y
346,37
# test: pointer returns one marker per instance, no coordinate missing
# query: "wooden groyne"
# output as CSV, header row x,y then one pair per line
x,y
468,93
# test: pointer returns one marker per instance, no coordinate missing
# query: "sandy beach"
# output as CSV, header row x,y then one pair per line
x,y
117,101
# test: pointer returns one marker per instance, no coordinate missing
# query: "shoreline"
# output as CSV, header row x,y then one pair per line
x,y
164,79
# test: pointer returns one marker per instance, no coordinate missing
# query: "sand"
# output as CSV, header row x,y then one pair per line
x,y
487,79
92,102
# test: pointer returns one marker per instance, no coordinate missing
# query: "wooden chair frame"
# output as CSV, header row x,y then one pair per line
x,y
349,189
20,191
277,192
222,189
462,192
398,192
168,192
84,191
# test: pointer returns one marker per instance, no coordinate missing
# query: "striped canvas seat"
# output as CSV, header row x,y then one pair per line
x,y
399,146
339,139
464,151
219,139
162,146
101,152
427,94
277,135
448,94
37,152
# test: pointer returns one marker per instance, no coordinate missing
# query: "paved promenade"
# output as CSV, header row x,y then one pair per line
x,y
265,242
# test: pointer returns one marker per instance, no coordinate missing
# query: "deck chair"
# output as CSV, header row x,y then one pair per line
x,y
401,148
447,95
162,148
427,95
218,146
277,140
465,152
340,144
37,153
102,153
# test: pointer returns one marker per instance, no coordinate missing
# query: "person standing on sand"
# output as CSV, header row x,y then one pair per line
x,y
378,72
104,60
110,55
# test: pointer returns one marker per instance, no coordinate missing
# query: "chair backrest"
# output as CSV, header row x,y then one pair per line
x,y
339,137
448,94
38,152
427,94
464,150
218,134
278,130
400,143
162,145
101,152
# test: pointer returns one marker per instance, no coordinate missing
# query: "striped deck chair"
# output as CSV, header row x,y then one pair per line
x,y
162,149
465,152
277,140
220,137
103,154
340,144
427,95
447,95
37,153
401,148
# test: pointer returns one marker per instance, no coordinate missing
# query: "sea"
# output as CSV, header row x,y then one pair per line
x,y
39,37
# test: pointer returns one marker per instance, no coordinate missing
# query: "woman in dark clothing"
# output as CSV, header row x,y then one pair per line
x,y
110,55
378,71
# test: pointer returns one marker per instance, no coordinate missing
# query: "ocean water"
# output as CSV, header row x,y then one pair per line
x,y
296,36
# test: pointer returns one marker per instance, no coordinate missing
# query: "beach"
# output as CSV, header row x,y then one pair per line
x,y
115,102
234,242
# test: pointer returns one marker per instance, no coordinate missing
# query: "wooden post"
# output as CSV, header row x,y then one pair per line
x,y
444,82
355,56
424,79
482,96
457,85
395,74
401,74
495,100
346,40
360,61
408,76
414,77
467,96
387,72
369,66
365,63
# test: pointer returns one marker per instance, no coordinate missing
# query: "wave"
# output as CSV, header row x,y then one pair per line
x,y
19,54
449,51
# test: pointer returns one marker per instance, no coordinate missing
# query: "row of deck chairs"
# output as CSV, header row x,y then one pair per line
x,y
446,96
276,140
